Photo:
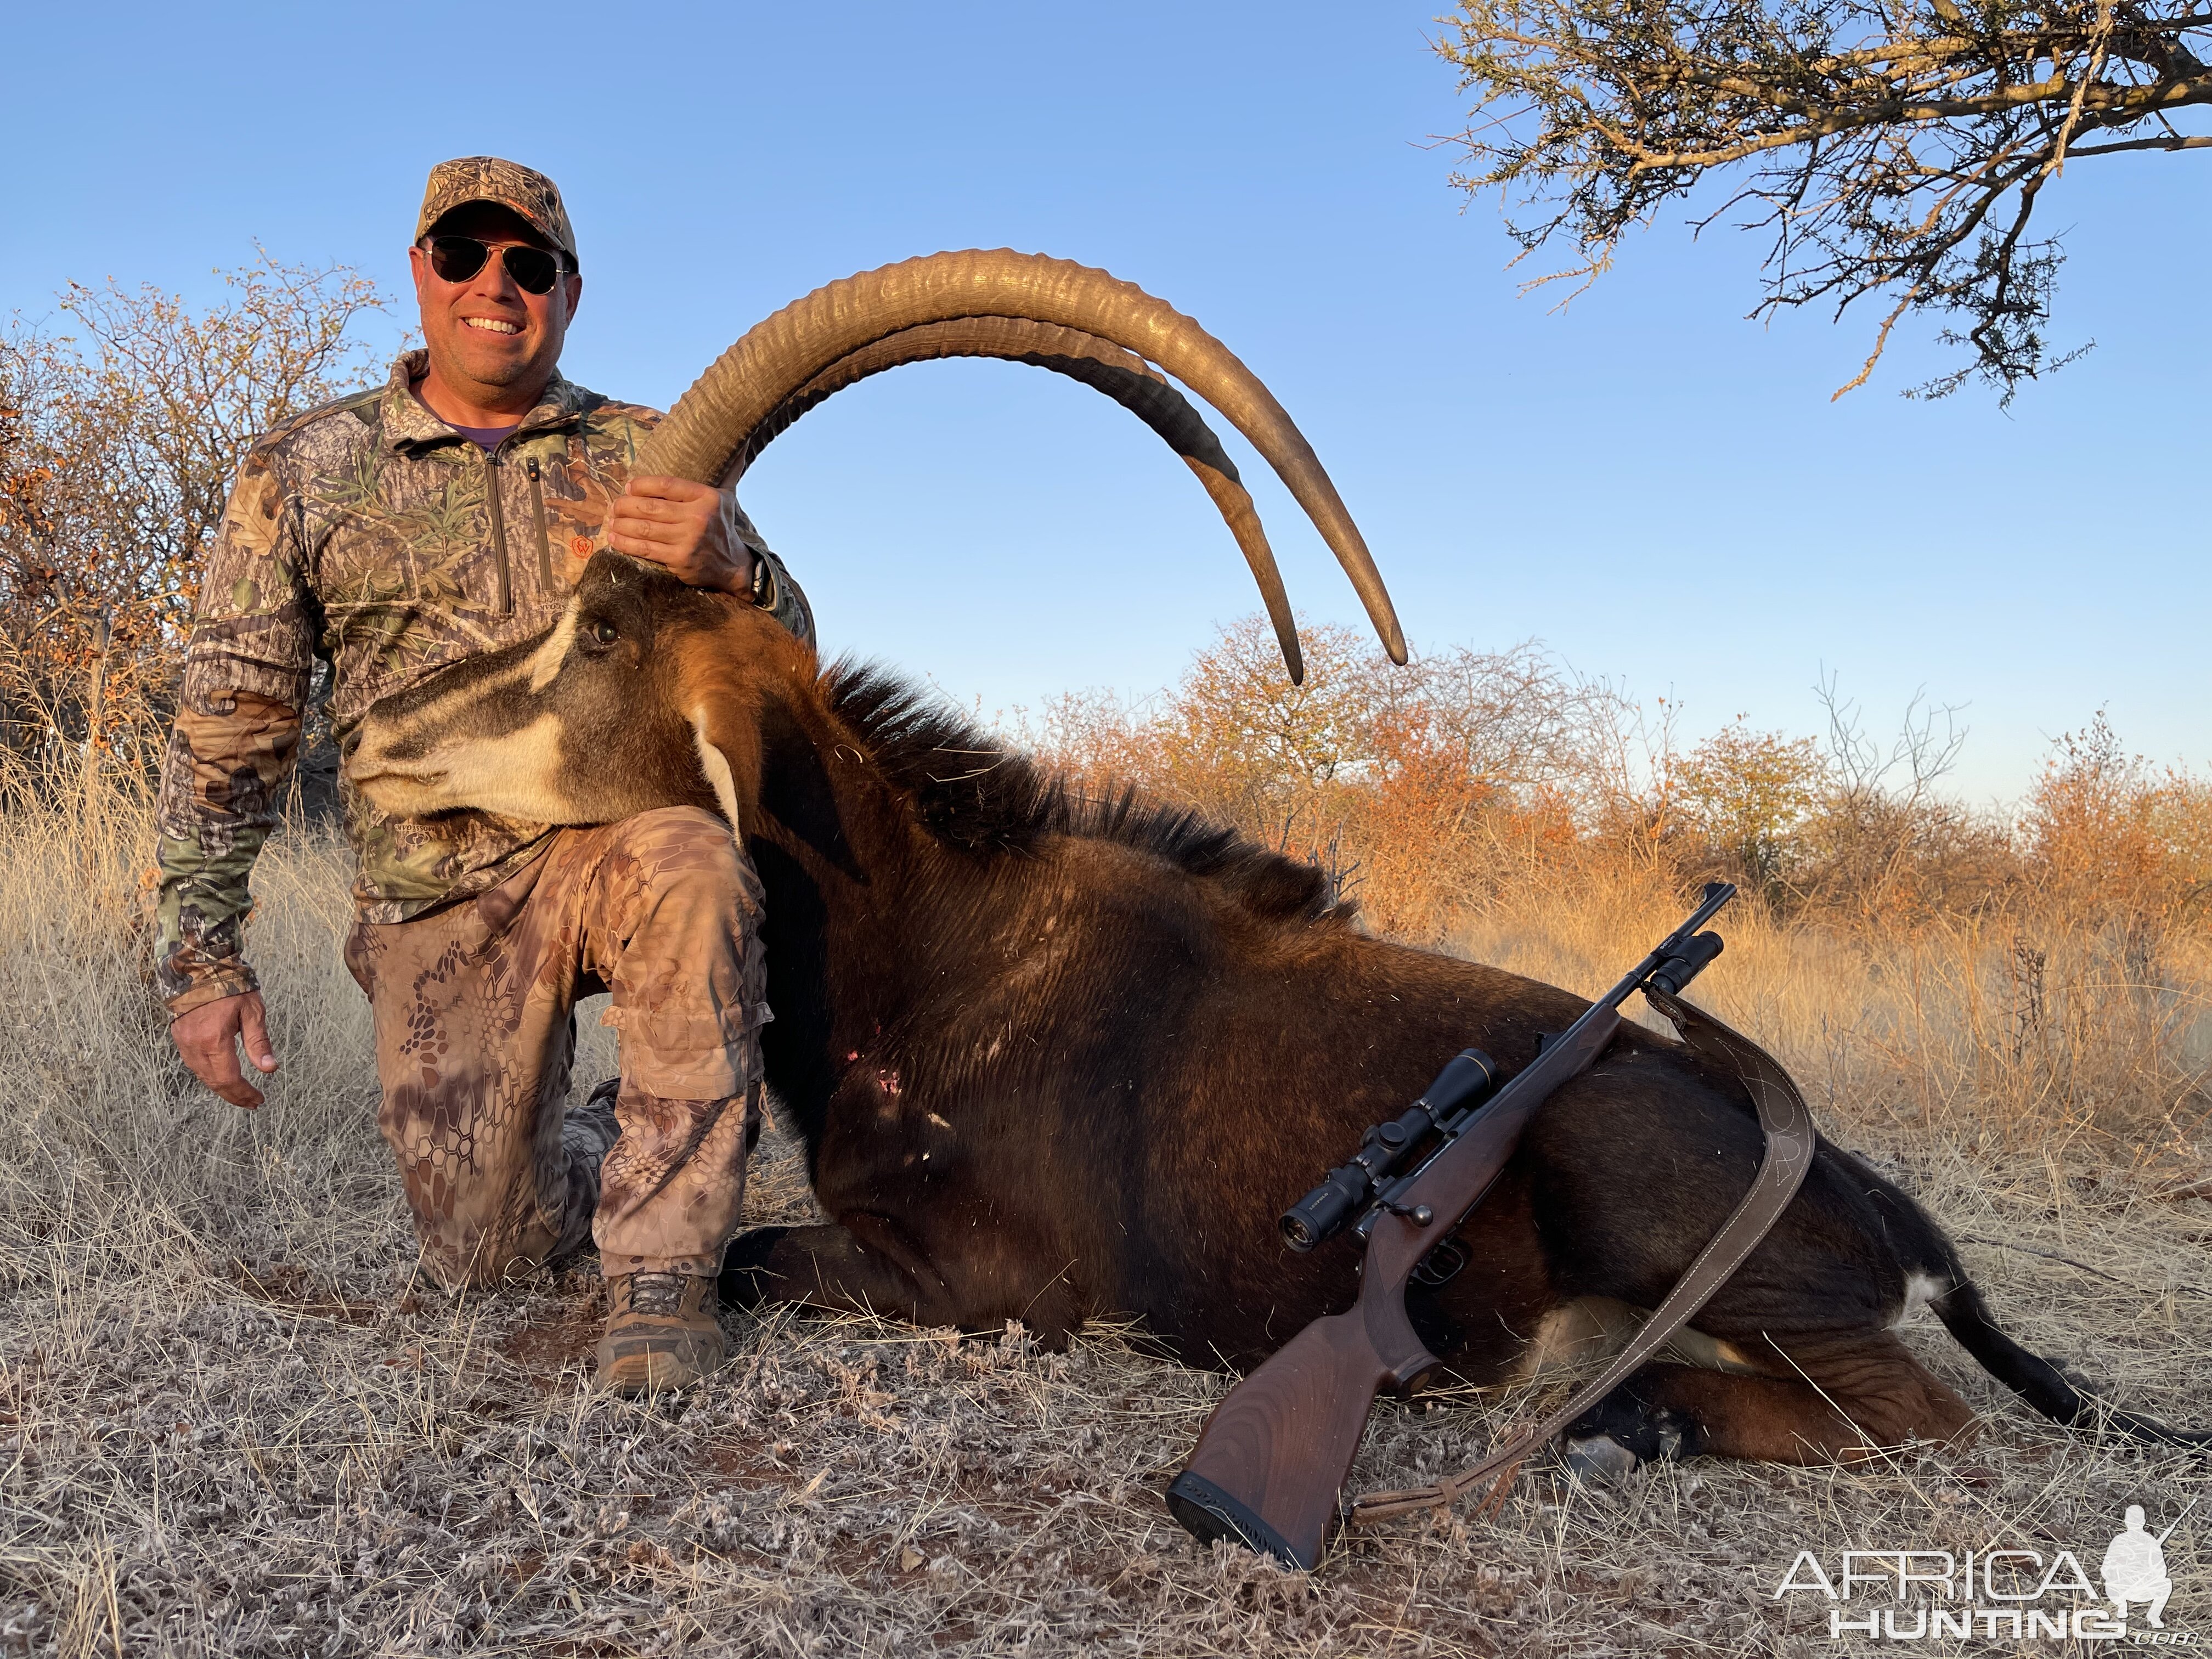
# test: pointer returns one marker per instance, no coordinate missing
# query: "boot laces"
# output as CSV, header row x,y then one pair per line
x,y
657,1294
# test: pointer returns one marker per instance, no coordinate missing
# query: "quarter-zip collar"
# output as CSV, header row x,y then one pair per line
x,y
502,571
408,424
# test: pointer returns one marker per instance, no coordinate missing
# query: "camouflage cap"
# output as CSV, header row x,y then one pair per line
x,y
522,189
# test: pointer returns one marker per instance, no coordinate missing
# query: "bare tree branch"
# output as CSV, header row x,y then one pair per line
x,y
1896,148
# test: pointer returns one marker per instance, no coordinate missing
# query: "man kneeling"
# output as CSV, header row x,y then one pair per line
x,y
443,514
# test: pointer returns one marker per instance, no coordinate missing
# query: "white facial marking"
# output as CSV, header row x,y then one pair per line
x,y
457,701
716,768
545,661
517,775
389,731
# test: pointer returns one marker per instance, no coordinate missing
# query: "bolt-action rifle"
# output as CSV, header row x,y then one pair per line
x,y
1271,1459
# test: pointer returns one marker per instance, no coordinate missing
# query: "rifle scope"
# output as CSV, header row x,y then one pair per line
x,y
1469,1079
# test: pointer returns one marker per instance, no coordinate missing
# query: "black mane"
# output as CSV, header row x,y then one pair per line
x,y
974,793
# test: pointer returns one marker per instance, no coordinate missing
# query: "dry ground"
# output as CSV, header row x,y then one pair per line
x,y
232,1420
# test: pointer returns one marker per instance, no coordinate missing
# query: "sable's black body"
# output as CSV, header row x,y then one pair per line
x,y
1054,1062
1086,1080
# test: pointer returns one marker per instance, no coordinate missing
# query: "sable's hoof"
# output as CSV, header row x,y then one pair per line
x,y
1622,1432
1600,1459
745,1281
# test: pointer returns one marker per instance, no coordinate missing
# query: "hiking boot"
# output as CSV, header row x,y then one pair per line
x,y
661,1333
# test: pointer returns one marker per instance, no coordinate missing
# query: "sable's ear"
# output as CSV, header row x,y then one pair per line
x,y
726,729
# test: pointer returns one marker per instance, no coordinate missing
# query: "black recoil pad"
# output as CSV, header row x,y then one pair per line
x,y
1207,1513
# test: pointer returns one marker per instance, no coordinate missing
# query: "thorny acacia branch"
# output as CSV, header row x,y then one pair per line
x,y
1891,148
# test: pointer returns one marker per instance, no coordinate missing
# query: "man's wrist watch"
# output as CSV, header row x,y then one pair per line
x,y
763,589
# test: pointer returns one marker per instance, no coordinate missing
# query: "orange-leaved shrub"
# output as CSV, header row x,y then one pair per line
x,y
2021,974
121,429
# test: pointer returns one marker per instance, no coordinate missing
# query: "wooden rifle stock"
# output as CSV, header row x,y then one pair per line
x,y
1272,1460
1273,1455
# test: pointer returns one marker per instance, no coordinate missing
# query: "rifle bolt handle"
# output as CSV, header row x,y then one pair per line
x,y
1420,1214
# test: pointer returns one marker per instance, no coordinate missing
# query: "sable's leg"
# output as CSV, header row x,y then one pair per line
x,y
1841,1400
871,1264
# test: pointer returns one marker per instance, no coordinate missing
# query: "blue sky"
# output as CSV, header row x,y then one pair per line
x,y
1659,490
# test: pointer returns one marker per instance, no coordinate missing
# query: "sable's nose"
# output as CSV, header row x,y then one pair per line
x,y
360,749
369,754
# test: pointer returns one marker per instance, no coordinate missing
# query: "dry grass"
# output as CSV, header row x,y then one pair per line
x,y
232,1420
1996,1034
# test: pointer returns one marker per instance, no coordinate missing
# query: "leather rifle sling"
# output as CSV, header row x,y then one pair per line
x,y
1790,1145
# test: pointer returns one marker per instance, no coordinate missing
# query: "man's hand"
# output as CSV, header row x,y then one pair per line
x,y
690,527
208,1039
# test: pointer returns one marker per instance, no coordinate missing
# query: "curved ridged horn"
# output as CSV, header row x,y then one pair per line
x,y
1125,377
726,405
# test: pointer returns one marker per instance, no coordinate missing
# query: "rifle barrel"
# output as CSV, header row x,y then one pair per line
x,y
2176,1522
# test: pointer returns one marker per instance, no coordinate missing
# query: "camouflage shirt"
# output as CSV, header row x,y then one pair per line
x,y
369,533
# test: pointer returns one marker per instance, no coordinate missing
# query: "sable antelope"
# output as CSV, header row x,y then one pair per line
x,y
1055,1058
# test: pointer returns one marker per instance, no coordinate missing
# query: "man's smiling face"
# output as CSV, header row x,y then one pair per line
x,y
487,335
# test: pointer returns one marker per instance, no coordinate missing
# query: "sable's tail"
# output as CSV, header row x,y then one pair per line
x,y
2035,1378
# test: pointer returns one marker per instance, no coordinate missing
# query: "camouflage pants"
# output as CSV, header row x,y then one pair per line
x,y
476,1033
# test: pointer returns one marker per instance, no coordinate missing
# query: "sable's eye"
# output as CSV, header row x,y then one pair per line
x,y
604,633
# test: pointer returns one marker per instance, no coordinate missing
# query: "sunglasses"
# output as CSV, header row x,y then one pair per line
x,y
456,258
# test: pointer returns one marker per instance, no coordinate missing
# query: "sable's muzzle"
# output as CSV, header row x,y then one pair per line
x,y
402,791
